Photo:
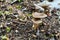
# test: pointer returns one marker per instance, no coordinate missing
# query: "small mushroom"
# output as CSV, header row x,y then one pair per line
x,y
22,16
45,5
37,19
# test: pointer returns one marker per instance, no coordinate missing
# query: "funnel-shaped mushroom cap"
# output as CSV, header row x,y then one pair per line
x,y
37,22
39,15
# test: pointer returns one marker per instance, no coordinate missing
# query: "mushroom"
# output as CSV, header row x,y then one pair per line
x,y
22,16
37,19
45,5
46,10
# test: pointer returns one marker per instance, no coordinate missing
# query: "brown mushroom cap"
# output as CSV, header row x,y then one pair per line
x,y
39,15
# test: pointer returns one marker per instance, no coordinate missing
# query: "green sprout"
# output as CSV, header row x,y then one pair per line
x,y
16,0
29,14
11,0
7,12
4,37
45,37
18,7
19,0
51,35
1,12
8,29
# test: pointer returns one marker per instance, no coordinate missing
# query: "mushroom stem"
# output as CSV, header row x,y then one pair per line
x,y
35,26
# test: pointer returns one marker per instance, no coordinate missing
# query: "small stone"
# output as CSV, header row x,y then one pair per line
x,y
16,15
42,30
34,35
16,31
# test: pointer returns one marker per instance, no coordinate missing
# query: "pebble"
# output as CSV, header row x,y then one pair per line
x,y
34,35
16,31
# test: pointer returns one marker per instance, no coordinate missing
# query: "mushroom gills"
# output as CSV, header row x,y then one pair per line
x,y
36,19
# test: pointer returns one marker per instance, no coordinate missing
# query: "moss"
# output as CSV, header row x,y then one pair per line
x,y
18,7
